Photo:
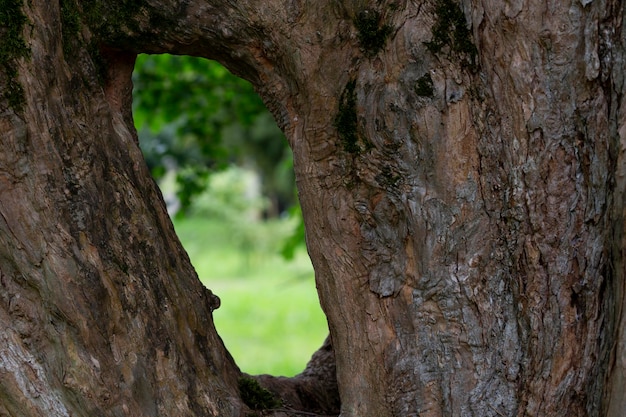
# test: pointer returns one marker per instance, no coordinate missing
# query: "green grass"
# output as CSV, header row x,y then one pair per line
x,y
270,318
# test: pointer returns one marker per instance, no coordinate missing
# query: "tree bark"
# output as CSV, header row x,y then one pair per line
x,y
102,313
461,173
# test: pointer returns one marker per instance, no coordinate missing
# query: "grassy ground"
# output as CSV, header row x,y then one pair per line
x,y
270,318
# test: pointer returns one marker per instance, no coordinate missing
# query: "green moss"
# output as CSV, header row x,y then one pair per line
x,y
73,17
255,396
450,29
70,26
424,86
346,120
12,47
114,21
108,19
372,35
110,22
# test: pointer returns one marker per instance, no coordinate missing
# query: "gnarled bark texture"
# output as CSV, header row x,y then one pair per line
x,y
461,173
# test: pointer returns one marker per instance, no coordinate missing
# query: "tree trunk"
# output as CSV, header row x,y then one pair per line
x,y
461,174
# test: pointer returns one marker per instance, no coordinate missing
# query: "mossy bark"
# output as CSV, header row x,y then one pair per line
x,y
12,48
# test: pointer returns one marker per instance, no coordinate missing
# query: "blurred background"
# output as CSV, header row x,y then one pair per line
x,y
226,173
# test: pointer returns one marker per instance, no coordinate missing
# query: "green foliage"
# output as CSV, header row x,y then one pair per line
x,y
295,239
194,114
372,35
232,195
424,86
173,88
12,47
196,118
450,29
255,396
191,182
263,148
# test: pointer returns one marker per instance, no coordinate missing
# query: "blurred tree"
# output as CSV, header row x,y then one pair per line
x,y
193,115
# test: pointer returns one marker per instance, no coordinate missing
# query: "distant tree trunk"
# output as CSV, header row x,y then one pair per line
x,y
461,173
